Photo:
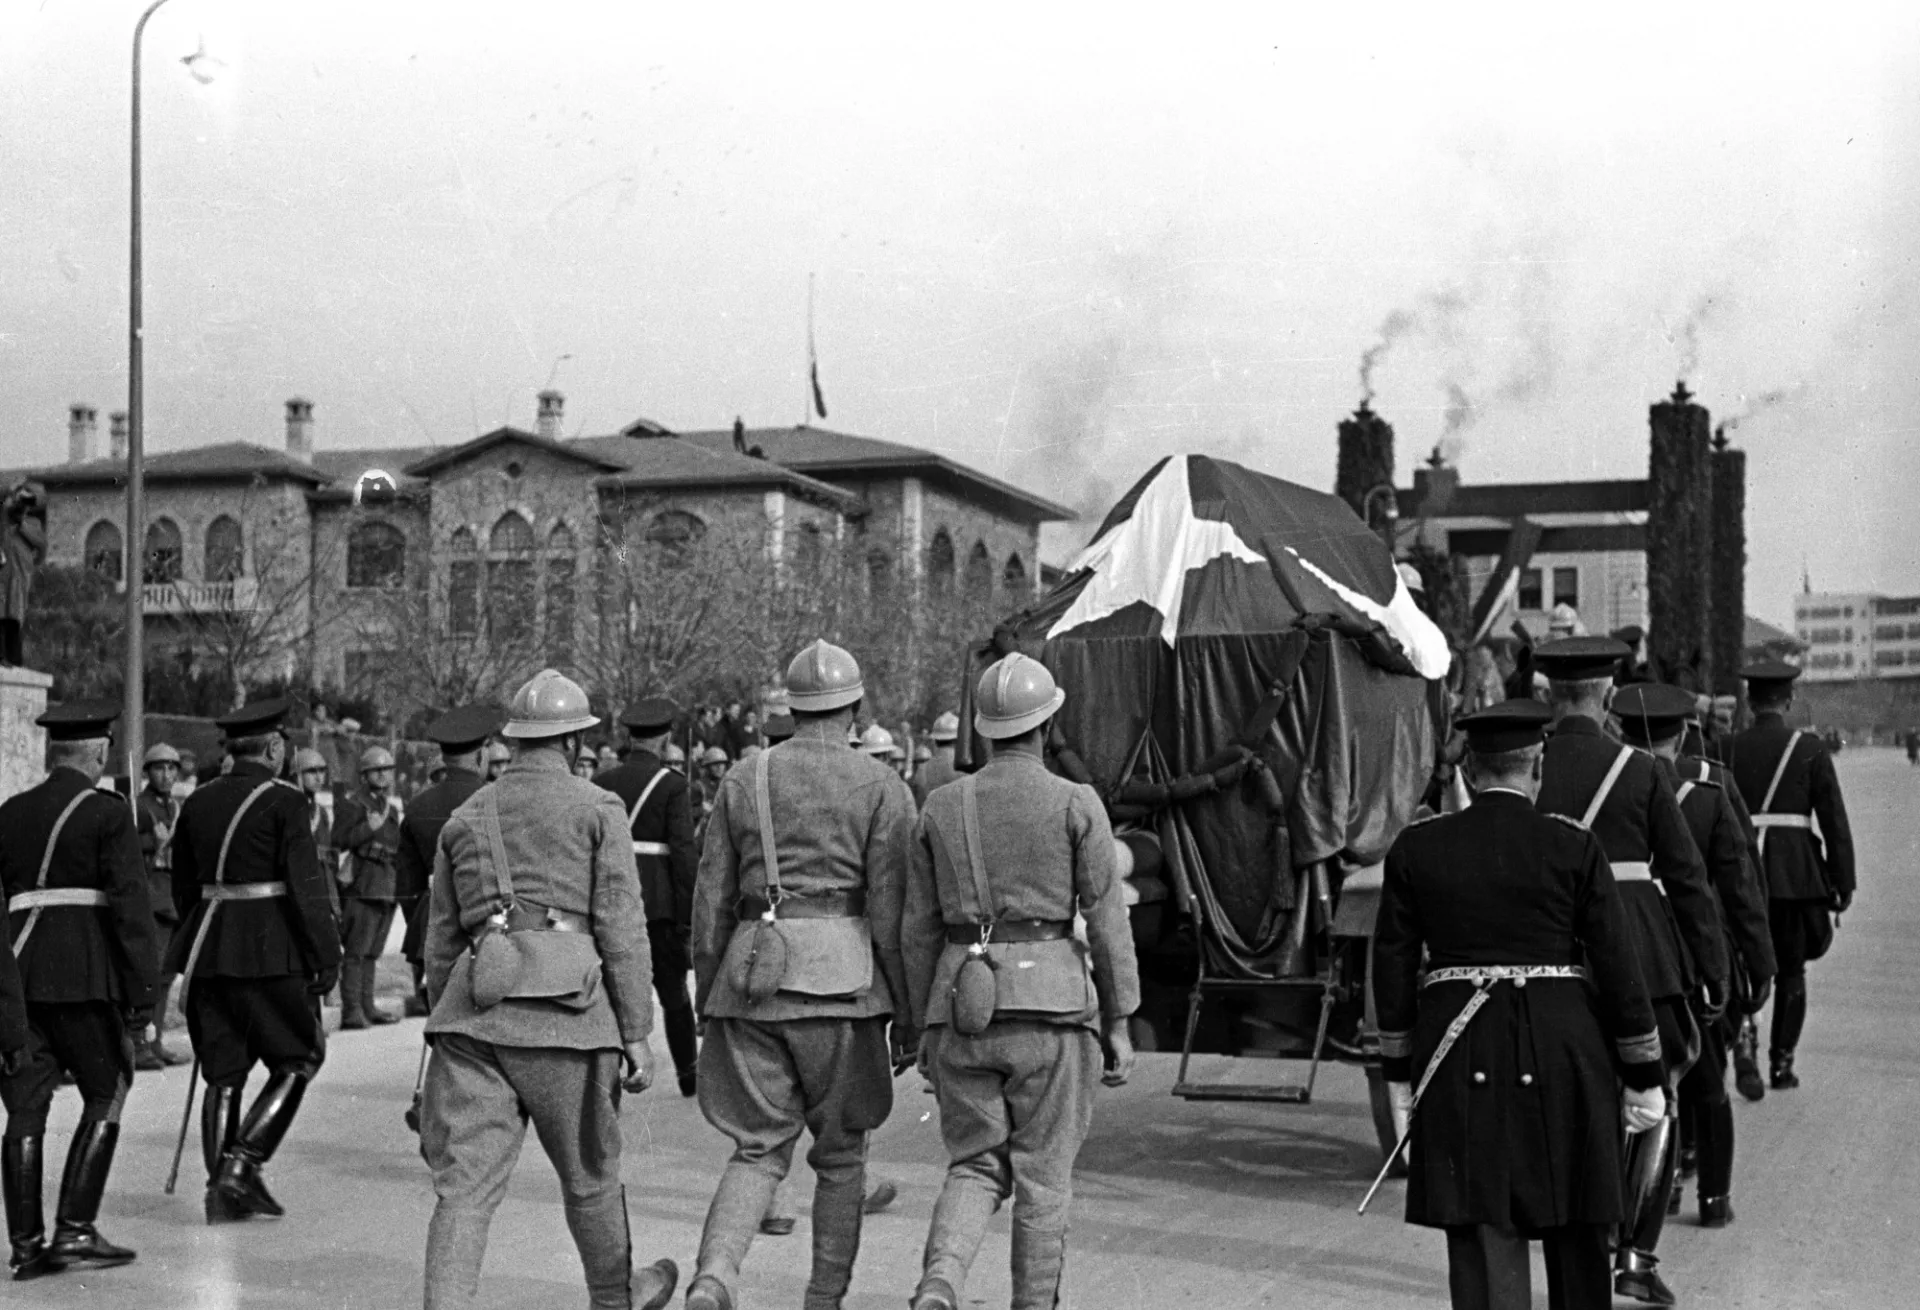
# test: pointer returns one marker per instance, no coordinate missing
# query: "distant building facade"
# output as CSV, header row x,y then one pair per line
x,y
1855,635
300,560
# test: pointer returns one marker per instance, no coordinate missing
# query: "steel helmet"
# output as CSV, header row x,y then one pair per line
x,y
823,677
922,753
674,754
550,705
375,757
307,759
946,727
713,755
159,753
877,741
1015,695
497,752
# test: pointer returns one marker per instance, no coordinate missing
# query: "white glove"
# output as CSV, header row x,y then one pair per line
x,y
1400,1104
1643,1110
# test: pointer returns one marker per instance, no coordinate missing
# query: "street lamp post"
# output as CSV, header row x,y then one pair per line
x,y
133,708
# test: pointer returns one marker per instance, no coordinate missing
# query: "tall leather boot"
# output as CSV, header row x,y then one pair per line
x,y
456,1244
605,1242
374,1013
417,1007
219,1123
837,1209
21,1177
1746,1061
352,993
1651,1163
89,1159
1716,1165
1039,1263
1789,1017
238,1192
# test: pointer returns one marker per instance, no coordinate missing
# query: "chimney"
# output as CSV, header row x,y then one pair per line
x,y
300,429
83,426
117,435
1434,485
547,425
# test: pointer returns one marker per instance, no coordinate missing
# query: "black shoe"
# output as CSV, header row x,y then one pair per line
x,y
879,1198
774,1225
1716,1211
75,1239
706,1292
934,1294
1747,1081
21,1179
1643,1285
1781,1076
234,1194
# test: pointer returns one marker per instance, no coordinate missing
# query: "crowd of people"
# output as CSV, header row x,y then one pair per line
x,y
1612,887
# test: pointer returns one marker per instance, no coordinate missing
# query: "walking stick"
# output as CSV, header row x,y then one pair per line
x,y
412,1115
186,1120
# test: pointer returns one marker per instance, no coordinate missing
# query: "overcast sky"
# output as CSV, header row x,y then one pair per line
x,y
1052,243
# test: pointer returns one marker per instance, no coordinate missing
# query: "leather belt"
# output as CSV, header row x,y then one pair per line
x,y
1637,871
798,905
90,898
652,848
527,917
1517,974
1783,821
242,891
1011,930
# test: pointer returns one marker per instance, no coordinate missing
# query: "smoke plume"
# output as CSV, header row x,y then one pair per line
x,y
1392,328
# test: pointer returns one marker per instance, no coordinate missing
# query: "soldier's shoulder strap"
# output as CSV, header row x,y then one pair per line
x,y
1599,801
1780,770
1567,819
633,814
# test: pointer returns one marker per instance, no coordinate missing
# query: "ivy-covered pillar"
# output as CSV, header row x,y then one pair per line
x,y
1365,464
1679,543
1728,529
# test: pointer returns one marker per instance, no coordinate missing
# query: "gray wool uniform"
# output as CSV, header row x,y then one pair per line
x,y
1016,1100
813,1055
559,1065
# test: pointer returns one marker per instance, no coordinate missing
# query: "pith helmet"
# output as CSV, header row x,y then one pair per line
x,y
946,727
375,757
159,753
1015,695
550,705
307,759
823,677
877,741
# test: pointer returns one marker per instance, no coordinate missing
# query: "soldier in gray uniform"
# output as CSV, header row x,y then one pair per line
x,y
1014,1015
539,976
796,958
939,770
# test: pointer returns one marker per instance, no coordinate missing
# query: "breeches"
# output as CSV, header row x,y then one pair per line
x,y
364,926
761,1083
1796,934
235,1022
84,1038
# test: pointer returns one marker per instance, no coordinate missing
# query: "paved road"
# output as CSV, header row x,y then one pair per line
x,y
1178,1205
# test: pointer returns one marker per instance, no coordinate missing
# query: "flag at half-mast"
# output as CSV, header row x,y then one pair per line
x,y
813,357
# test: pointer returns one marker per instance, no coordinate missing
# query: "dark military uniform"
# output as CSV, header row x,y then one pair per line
x,y
258,947
1807,874
660,815
369,833
1717,831
1518,1130
427,814
82,932
1016,1098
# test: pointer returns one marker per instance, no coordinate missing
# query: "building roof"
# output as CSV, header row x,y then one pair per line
x,y
640,463
227,459
1506,500
1759,633
834,455
448,456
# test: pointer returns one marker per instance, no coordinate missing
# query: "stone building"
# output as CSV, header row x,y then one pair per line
x,y
354,567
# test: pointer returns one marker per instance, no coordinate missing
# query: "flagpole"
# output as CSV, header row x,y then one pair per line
x,y
813,362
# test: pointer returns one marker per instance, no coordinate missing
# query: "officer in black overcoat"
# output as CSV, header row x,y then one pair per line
x,y
659,809
1622,795
1788,781
1655,716
256,949
80,924
1514,917
462,735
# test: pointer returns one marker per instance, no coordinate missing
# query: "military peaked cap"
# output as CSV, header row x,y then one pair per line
x,y
1653,711
1576,659
778,727
80,720
255,720
652,715
1770,675
1507,726
465,729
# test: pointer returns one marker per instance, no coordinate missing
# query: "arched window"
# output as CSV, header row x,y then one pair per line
x,y
1014,576
376,555
979,572
463,584
879,574
561,539
512,535
462,542
103,550
940,561
807,550
675,531
163,552
226,553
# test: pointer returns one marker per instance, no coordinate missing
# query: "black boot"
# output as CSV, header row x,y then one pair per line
x,y
219,1124
20,1178
75,1239
417,1007
237,1192
1780,1074
1746,1061
375,1015
352,996
1789,1018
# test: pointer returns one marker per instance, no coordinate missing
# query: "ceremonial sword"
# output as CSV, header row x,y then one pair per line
x,y
1447,1039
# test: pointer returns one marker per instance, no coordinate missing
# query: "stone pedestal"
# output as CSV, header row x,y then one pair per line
x,y
23,743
